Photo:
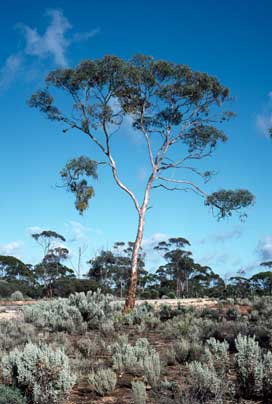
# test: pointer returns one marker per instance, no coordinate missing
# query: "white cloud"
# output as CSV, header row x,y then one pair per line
x,y
79,232
84,36
150,242
9,70
264,248
13,248
53,42
34,229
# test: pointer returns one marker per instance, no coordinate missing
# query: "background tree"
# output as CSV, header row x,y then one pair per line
x,y
111,269
205,282
173,108
51,268
179,263
11,269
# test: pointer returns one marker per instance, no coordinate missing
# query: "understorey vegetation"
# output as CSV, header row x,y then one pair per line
x,y
86,349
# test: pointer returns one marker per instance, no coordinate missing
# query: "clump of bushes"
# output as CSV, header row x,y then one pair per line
x,y
209,379
76,314
14,333
103,381
39,371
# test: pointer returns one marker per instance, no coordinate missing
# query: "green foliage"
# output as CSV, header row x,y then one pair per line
x,y
139,392
227,201
11,395
158,96
75,176
103,381
43,373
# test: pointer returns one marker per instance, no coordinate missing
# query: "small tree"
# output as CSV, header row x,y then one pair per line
x,y
171,106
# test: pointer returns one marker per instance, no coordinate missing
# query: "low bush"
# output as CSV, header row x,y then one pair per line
x,y
249,366
41,372
217,356
140,359
205,383
139,392
15,333
103,381
17,295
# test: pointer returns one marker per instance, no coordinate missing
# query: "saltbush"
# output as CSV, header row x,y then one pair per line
x,y
103,381
14,333
43,373
139,392
205,383
17,295
217,356
140,359
249,366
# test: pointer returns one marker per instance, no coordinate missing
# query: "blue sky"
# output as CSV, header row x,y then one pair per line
x,y
231,40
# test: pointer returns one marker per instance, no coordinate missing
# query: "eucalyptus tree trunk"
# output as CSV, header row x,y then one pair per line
x,y
131,296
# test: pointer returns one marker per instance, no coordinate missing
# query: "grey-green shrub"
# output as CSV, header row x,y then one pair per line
x,y
186,351
11,395
75,314
103,381
14,333
249,366
57,315
205,383
87,346
17,295
216,354
95,307
139,359
139,392
45,374
267,374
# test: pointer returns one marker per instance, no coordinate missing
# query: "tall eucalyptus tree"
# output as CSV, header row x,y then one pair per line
x,y
173,108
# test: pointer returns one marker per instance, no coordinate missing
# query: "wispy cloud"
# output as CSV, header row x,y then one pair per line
x,y
52,44
9,70
13,248
34,229
79,232
264,248
223,237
